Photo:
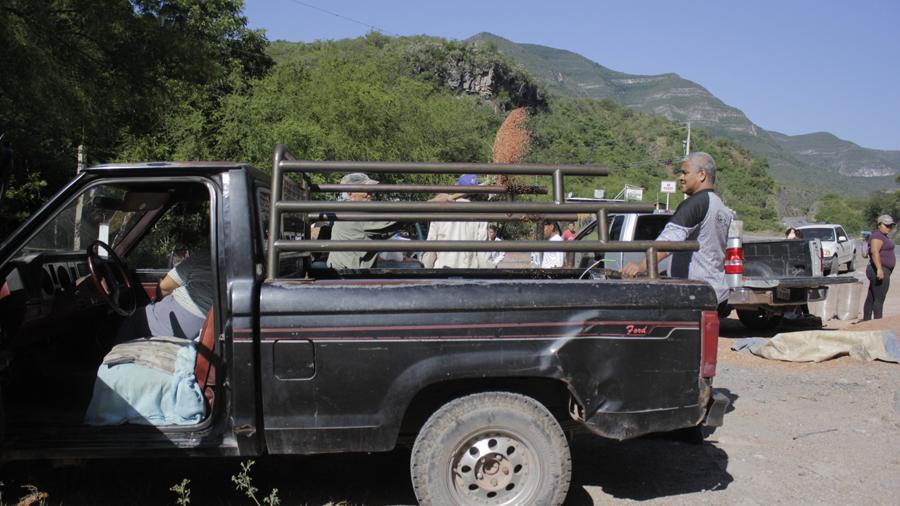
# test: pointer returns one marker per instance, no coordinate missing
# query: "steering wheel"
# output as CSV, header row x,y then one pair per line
x,y
111,279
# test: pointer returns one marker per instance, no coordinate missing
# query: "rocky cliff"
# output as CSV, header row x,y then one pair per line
x,y
817,162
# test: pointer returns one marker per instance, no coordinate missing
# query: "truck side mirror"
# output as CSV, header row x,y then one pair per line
x,y
842,238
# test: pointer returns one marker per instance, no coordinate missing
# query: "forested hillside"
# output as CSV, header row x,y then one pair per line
x,y
807,165
205,87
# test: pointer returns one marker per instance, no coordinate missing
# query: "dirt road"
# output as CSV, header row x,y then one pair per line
x,y
824,433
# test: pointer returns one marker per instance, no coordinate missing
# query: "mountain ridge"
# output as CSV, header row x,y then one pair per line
x,y
814,163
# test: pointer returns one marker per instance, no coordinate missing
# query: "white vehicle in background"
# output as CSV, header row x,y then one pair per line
x,y
837,247
766,278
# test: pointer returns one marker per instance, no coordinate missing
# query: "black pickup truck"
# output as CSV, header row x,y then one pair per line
x,y
483,371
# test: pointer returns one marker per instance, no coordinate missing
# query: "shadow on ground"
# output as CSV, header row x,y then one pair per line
x,y
640,469
647,468
376,479
733,328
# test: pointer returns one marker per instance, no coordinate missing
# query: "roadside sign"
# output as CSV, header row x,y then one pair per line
x,y
634,193
667,187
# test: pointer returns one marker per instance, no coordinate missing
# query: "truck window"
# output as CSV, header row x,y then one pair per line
x,y
615,228
105,212
290,264
182,229
821,233
649,227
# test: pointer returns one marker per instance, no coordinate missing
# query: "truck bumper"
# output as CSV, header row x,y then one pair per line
x,y
738,297
630,425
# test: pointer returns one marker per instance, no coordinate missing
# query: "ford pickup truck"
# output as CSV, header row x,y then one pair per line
x,y
767,278
484,372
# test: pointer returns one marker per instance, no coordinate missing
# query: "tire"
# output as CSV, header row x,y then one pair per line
x,y
759,319
850,262
492,448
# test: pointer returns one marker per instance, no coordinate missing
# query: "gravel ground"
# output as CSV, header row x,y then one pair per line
x,y
826,433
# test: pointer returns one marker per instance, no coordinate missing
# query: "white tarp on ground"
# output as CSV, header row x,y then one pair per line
x,y
820,345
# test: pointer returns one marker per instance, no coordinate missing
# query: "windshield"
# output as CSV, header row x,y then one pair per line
x,y
99,213
823,234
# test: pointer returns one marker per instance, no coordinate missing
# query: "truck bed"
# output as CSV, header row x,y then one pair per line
x,y
348,356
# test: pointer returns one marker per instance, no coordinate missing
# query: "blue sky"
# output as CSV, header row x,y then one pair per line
x,y
792,66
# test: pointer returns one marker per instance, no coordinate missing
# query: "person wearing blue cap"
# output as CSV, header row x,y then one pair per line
x,y
459,231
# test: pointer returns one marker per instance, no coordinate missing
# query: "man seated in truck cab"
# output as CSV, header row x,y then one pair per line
x,y
186,292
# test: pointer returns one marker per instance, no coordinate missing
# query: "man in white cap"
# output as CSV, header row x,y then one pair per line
x,y
881,264
357,230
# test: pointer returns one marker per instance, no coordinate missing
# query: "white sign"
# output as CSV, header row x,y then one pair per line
x,y
632,193
667,187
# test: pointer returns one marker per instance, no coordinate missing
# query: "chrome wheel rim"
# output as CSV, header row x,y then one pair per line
x,y
494,468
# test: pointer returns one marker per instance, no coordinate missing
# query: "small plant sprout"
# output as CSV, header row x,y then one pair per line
x,y
183,491
244,483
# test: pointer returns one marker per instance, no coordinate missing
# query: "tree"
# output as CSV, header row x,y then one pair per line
x,y
96,72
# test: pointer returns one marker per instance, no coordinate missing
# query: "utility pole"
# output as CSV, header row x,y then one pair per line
x,y
82,159
80,165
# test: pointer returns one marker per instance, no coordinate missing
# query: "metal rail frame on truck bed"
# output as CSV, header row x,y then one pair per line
x,y
559,209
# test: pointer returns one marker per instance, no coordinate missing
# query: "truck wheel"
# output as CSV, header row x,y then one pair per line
x,y
495,448
850,262
759,319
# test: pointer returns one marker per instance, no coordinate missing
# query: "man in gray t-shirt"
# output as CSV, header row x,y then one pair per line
x,y
187,296
702,217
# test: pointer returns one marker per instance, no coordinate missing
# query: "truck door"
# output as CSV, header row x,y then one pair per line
x,y
644,227
845,246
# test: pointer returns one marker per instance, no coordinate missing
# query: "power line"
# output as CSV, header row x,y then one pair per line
x,y
346,18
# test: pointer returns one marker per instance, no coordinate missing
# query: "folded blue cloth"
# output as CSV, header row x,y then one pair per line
x,y
141,394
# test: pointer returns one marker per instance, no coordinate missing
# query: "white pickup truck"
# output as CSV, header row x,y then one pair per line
x,y
837,248
767,278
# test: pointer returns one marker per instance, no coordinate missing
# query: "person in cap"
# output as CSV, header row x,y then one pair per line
x,y
881,265
458,231
357,230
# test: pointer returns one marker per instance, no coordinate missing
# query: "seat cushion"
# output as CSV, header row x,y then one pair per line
x,y
144,382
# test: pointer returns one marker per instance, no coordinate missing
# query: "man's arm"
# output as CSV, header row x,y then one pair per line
x,y
634,268
167,285
687,218
175,277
